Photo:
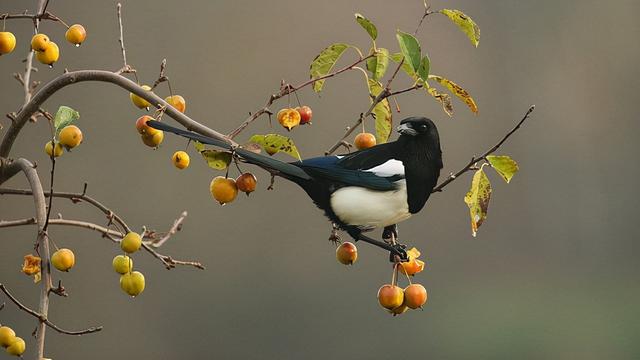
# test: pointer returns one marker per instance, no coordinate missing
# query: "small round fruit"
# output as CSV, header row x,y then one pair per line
x,y
63,259
143,128
132,283
122,264
39,42
224,190
17,347
7,335
390,296
70,136
347,253
399,310
7,42
131,242
76,34
52,150
180,159
177,102
305,114
50,55
289,118
153,140
138,101
365,141
246,183
415,295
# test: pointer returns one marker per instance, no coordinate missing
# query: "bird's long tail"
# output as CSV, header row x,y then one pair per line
x,y
282,168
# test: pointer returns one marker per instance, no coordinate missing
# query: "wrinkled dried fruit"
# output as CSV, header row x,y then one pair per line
x,y
413,266
289,118
31,265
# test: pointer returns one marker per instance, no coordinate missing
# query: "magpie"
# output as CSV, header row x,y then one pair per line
x,y
372,188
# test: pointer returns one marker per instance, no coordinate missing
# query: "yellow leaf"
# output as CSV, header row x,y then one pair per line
x,y
324,62
382,113
458,91
273,143
444,99
503,165
465,24
31,265
477,199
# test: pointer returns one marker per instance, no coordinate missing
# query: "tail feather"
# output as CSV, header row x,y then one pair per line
x,y
287,170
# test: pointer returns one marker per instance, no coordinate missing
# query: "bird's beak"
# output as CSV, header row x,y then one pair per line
x,y
404,129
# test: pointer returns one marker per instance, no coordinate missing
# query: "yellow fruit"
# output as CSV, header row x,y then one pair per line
x,y
223,189
76,34
39,42
7,42
132,283
177,102
131,242
153,140
63,259
289,118
70,136
138,101
7,335
50,55
390,296
122,264
143,128
53,151
17,347
180,159
347,253
399,310
415,295
365,141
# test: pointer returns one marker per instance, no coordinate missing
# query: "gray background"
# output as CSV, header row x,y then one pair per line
x,y
553,273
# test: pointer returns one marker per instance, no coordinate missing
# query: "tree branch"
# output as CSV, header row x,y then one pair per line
x,y
43,318
474,160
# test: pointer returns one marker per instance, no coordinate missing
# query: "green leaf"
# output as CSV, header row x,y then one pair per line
x,y
423,70
477,199
65,116
218,160
503,165
458,91
198,146
410,49
367,25
382,113
397,57
444,99
273,143
324,62
378,65
465,24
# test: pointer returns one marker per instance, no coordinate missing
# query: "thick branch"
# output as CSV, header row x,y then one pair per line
x,y
104,76
43,318
474,160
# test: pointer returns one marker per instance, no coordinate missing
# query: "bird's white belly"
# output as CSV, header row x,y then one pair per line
x,y
370,208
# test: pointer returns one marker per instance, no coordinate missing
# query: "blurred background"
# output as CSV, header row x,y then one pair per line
x,y
553,273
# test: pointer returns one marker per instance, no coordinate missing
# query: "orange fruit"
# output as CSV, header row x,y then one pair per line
x,y
246,183
364,141
63,259
180,159
289,118
39,42
224,190
70,136
177,102
415,295
347,253
390,296
7,42
76,34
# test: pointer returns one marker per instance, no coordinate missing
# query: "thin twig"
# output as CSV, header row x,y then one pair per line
x,y
113,235
43,318
121,38
474,160
177,226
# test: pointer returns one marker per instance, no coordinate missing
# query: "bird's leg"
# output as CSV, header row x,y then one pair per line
x,y
394,249
390,232
335,236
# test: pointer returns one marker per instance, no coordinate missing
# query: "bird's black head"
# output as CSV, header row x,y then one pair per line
x,y
419,127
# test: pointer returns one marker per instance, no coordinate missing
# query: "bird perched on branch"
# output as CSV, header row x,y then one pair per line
x,y
364,190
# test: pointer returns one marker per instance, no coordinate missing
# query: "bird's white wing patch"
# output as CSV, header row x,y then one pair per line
x,y
389,168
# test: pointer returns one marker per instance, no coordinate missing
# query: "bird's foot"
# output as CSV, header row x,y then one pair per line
x,y
334,237
390,232
398,253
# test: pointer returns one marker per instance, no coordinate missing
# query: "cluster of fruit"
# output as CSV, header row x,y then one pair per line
x,y
69,137
131,282
225,189
47,51
290,117
13,344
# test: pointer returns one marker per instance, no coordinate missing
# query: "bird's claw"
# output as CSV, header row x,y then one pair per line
x,y
398,251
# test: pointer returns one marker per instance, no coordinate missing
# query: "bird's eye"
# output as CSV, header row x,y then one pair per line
x,y
422,127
